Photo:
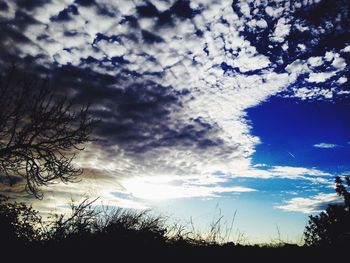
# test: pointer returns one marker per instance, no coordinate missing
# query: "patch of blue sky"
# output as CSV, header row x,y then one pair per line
x,y
289,128
257,218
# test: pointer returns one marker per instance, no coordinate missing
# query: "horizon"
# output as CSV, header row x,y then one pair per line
x,y
205,107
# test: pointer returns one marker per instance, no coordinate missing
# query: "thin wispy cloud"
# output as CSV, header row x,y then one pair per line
x,y
312,204
325,145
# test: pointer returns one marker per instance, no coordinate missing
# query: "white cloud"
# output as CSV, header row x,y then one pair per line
x,y
261,23
315,61
344,92
326,145
246,62
339,63
310,204
281,31
112,49
346,49
263,171
320,76
329,56
274,12
312,93
342,80
8,13
301,47
245,9
290,171
298,67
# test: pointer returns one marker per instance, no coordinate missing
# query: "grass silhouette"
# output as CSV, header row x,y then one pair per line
x,y
90,234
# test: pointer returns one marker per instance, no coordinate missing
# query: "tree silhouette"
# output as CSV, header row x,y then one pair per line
x,y
39,129
331,227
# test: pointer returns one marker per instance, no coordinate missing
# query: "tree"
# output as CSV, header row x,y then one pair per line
x,y
39,131
331,227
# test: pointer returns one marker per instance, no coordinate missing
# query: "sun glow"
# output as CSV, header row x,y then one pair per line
x,y
162,188
151,189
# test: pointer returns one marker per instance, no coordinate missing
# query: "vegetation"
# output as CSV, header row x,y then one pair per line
x,y
331,227
93,233
39,129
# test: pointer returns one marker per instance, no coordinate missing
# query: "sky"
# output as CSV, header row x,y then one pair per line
x,y
207,107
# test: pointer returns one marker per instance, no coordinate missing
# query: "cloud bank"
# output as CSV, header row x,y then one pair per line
x,y
171,80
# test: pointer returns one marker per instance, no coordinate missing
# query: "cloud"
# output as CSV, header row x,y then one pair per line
x,y
296,171
325,145
151,188
312,204
263,171
312,93
346,49
171,80
282,30
320,77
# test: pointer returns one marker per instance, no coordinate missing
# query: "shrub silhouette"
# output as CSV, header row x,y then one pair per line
x,y
19,224
331,227
80,223
90,234
22,224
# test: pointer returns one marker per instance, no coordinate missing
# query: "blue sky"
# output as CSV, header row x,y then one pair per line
x,y
241,105
291,132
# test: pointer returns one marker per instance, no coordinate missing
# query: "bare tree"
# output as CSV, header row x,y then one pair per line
x,y
39,131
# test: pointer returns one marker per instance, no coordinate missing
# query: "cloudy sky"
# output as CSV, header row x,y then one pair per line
x,y
204,105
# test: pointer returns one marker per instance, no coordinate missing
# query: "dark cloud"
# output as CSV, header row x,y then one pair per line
x,y
31,4
21,21
85,2
148,10
315,28
3,6
122,38
151,38
66,14
180,9
326,23
131,21
137,115
12,37
329,22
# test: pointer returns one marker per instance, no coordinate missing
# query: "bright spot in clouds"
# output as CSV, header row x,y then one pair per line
x,y
158,189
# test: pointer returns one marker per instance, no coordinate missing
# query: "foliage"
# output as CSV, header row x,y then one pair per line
x,y
39,129
331,227
22,224
19,223
90,234
81,221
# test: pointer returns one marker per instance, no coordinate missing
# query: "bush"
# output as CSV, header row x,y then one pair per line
x,y
19,224
331,227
